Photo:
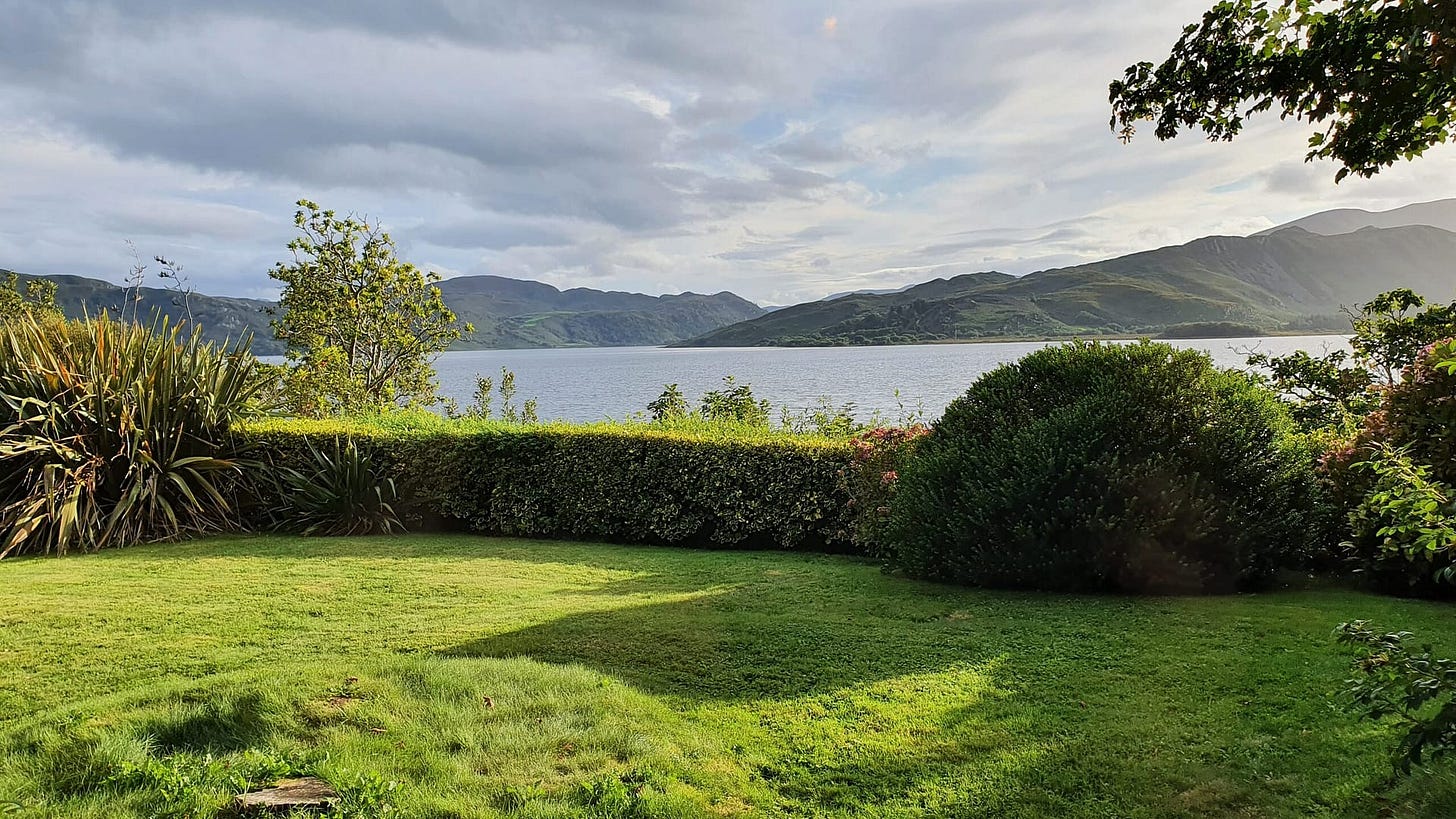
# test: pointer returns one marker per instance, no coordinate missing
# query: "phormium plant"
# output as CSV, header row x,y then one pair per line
x,y
338,494
115,433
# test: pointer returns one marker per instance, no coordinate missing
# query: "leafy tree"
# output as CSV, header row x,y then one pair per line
x,y
361,326
38,298
1335,389
1377,77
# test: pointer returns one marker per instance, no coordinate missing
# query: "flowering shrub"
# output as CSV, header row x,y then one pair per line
x,y
878,456
1396,474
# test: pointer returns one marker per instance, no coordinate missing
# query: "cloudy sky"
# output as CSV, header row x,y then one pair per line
x,y
782,149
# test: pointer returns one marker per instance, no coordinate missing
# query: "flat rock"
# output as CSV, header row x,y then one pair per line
x,y
304,793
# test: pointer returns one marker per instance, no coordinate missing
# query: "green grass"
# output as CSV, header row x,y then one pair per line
x,y
653,682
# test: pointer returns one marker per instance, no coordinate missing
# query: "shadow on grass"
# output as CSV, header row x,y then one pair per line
x,y
723,645
215,724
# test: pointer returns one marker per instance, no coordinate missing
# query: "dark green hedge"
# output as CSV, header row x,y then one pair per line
x,y
615,482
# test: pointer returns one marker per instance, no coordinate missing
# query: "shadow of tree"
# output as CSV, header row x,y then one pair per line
x,y
721,645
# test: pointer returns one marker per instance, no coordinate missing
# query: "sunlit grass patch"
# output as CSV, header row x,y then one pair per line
x,y
479,677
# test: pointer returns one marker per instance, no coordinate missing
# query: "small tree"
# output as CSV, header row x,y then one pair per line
x,y
37,299
669,406
735,402
1379,76
361,326
481,404
1336,390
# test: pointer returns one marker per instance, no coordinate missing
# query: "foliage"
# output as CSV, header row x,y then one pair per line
x,y
1419,414
1377,76
1334,391
114,434
1443,357
361,326
702,484
1415,687
748,683
822,418
340,493
880,453
670,405
38,298
1410,517
736,403
1107,467
481,404
1323,391
1394,329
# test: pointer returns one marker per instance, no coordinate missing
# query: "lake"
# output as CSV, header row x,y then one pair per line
x,y
589,384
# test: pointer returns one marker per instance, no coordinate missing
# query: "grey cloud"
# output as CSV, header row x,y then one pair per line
x,y
618,141
492,233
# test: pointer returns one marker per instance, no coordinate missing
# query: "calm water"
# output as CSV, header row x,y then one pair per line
x,y
614,382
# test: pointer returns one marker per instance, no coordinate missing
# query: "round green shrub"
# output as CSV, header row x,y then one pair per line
x,y
1108,467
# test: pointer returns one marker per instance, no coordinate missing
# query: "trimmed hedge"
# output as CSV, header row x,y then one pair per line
x,y
614,482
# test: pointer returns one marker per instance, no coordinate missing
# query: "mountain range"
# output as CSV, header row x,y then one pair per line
x,y
514,313
1294,277
506,313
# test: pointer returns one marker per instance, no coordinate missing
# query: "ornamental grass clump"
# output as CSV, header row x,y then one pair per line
x,y
1108,467
114,434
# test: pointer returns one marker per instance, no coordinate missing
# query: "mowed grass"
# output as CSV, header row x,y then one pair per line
x,y
495,677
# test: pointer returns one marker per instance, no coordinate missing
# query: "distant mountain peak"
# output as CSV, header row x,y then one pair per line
x,y
1440,213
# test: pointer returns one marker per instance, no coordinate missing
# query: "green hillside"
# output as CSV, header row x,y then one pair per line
x,y
1291,279
506,313
221,317
512,313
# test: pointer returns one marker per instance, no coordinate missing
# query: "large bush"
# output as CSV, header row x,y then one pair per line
x,y
1418,413
113,434
1396,478
1096,467
632,483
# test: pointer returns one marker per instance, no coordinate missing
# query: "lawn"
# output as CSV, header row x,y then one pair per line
x,y
458,676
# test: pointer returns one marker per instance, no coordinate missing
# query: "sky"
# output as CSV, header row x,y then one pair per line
x,y
780,149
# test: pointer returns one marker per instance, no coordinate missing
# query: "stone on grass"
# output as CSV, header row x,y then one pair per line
x,y
304,793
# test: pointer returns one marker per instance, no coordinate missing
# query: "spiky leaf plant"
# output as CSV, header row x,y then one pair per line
x,y
339,494
115,433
